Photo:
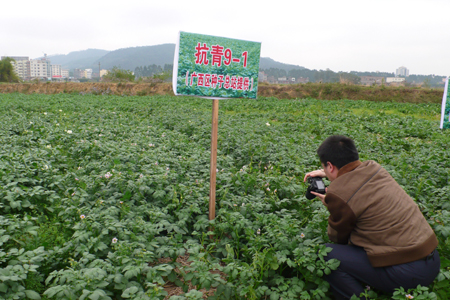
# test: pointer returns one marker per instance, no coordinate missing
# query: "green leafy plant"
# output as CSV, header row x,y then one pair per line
x,y
101,195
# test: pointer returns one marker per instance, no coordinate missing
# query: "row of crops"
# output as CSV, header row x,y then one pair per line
x,y
100,196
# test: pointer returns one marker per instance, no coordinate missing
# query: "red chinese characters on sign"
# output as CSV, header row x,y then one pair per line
x,y
218,56
237,83
201,54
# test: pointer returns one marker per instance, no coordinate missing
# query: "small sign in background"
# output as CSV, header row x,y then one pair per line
x,y
445,115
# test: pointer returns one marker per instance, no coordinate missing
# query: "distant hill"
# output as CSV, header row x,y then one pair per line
x,y
267,63
160,55
130,58
78,59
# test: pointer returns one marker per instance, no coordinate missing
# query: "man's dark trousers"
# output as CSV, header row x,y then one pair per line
x,y
355,271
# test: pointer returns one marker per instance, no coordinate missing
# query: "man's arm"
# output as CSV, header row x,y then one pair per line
x,y
342,219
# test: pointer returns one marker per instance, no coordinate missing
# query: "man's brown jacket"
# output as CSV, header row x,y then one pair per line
x,y
368,208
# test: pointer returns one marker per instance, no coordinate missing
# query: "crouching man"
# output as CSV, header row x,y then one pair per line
x,y
378,232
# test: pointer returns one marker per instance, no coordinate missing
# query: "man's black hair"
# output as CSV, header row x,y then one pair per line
x,y
339,150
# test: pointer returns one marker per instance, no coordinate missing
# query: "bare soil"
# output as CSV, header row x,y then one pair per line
x,y
174,290
322,91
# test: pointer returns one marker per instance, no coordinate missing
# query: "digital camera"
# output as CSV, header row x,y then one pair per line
x,y
315,185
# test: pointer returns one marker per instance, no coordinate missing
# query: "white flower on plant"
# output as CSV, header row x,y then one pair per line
x,y
60,110
268,124
121,202
107,175
76,179
368,287
409,296
302,235
141,176
69,131
275,190
82,217
57,124
45,113
73,194
243,204
268,189
48,146
45,167
234,205
156,163
259,231
151,145
114,240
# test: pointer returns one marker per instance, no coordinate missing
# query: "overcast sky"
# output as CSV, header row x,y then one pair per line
x,y
347,35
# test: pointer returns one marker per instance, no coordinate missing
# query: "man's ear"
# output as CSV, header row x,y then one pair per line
x,y
332,167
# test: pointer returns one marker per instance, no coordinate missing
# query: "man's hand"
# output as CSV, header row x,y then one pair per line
x,y
316,173
320,196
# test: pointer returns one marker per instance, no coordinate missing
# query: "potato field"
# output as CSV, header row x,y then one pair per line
x,y
106,197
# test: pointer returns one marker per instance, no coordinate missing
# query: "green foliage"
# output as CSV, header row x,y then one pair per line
x,y
419,292
156,71
7,73
101,195
118,75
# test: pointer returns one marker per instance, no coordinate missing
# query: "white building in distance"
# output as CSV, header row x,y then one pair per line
x,y
56,71
65,73
402,71
88,73
395,80
21,65
40,68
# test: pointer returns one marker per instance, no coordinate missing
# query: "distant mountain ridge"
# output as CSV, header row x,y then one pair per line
x,y
83,59
130,58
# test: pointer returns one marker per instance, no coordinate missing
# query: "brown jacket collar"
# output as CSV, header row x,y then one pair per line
x,y
349,167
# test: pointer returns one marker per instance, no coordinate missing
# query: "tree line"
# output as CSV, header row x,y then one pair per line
x,y
164,73
354,77
152,70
